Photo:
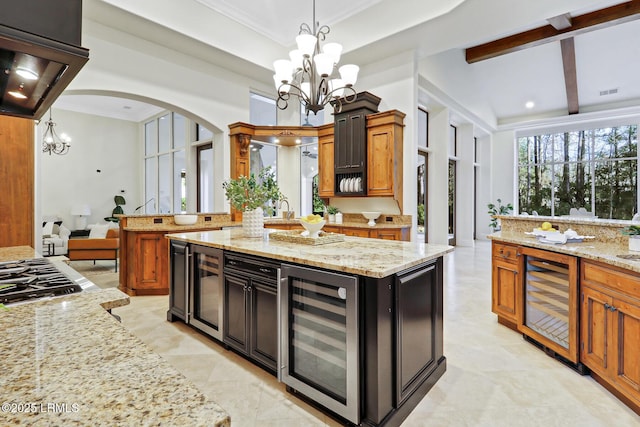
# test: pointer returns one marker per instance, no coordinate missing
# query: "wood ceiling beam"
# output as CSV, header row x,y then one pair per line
x,y
591,21
570,75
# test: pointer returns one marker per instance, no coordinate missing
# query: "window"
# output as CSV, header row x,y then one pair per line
x,y
594,169
421,172
262,110
165,163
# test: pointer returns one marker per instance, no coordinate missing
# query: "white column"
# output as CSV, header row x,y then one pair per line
x,y
438,176
464,186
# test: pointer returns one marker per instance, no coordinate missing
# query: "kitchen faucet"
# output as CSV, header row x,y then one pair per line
x,y
288,213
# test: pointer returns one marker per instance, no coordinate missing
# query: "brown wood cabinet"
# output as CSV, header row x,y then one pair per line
x,y
147,273
506,285
326,175
17,177
384,154
376,233
610,328
144,260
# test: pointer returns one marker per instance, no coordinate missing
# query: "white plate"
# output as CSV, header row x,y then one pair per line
x,y
359,184
342,185
351,182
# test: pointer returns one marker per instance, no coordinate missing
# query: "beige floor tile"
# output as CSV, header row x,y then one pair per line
x,y
494,378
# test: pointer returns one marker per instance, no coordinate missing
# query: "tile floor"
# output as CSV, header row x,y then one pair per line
x,y
494,378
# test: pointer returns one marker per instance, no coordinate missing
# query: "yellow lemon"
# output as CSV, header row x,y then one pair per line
x,y
546,226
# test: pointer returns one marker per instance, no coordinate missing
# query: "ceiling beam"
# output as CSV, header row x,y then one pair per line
x,y
570,75
591,21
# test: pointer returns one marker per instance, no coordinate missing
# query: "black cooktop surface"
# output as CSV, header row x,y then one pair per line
x,y
33,279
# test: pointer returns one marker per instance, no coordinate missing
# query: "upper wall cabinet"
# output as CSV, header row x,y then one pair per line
x,y
326,176
384,154
350,145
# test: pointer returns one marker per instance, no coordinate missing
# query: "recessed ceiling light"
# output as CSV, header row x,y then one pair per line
x,y
17,94
298,141
276,140
530,104
26,73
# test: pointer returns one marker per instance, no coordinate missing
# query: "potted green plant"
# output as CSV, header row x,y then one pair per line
x,y
119,201
332,211
633,231
498,209
253,196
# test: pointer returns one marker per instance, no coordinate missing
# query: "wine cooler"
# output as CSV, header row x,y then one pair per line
x,y
205,292
551,302
319,330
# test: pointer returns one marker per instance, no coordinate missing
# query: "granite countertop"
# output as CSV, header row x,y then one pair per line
x,y
603,251
350,224
171,227
367,257
67,361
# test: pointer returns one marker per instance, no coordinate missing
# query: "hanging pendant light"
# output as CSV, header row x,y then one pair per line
x,y
309,74
51,142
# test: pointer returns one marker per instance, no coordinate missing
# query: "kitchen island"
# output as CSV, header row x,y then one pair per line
x,y
67,361
354,326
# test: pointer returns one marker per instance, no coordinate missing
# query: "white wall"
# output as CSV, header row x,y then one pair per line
x,y
98,143
503,167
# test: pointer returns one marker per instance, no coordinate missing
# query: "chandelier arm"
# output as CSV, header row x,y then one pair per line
x,y
322,32
305,29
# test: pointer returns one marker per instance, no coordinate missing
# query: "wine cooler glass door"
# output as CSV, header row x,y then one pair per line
x,y
320,346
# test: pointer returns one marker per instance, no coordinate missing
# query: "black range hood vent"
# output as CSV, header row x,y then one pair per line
x,y
53,63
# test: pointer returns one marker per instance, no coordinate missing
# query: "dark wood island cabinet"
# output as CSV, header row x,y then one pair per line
x,y
364,343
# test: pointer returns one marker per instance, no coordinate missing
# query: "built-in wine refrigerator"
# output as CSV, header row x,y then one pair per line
x,y
320,338
551,303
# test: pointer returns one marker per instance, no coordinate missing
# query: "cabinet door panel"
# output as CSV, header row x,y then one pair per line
x,y
415,306
235,312
178,281
506,290
626,333
341,147
264,323
357,141
152,251
380,177
326,171
594,329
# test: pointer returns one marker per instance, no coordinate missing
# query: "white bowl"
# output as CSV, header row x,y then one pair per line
x,y
184,219
313,228
371,216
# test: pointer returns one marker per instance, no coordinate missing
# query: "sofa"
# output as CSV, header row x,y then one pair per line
x,y
55,236
96,248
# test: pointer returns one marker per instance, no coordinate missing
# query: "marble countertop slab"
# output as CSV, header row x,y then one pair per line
x,y
67,361
367,257
173,228
350,224
603,251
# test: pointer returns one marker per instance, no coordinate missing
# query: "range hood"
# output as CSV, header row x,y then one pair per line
x,y
40,53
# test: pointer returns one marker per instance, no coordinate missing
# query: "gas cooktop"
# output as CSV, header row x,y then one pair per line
x,y
33,279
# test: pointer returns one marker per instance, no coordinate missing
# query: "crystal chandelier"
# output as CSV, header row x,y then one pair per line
x,y
51,142
310,72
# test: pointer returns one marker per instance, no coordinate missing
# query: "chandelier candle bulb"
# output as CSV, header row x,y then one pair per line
x,y
334,50
306,44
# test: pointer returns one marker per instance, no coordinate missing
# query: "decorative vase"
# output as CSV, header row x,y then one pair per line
x,y
634,243
332,217
339,218
253,223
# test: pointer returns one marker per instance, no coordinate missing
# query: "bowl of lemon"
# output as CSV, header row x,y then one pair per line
x,y
312,224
